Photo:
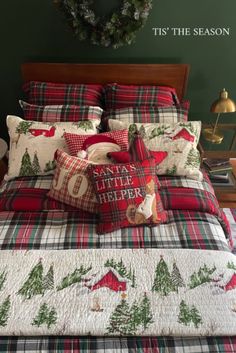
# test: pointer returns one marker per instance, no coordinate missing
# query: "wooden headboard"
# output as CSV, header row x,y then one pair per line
x,y
173,75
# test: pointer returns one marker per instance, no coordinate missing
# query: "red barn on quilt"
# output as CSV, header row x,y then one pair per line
x,y
110,278
231,284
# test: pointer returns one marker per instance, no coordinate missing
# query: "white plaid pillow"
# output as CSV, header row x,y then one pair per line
x,y
71,183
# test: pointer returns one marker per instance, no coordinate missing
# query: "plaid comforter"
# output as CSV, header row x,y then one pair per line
x,y
29,220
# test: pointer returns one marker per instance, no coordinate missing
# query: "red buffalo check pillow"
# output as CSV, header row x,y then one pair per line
x,y
127,195
71,183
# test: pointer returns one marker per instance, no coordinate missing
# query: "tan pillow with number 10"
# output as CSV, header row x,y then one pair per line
x,y
71,183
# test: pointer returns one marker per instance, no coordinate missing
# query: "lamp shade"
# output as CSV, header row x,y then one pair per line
x,y
224,104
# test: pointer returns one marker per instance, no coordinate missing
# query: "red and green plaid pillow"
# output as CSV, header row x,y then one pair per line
x,y
71,184
121,96
137,152
89,145
49,93
144,114
56,113
127,195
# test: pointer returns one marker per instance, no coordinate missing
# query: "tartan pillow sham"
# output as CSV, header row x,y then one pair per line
x,y
127,195
121,96
152,114
71,184
95,148
56,113
33,144
179,140
50,93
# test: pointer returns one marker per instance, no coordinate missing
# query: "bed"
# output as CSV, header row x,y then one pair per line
x,y
31,223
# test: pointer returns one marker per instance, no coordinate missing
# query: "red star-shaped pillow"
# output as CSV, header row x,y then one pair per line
x,y
137,152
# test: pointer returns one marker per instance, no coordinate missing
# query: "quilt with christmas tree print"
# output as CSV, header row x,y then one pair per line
x,y
52,226
118,292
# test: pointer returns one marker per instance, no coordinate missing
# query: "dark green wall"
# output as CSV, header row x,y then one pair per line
x,y
33,30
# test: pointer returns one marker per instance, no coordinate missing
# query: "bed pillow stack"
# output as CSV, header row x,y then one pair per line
x,y
118,165
52,109
126,193
156,113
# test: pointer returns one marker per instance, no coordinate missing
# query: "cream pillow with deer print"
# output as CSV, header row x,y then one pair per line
x,y
179,140
33,144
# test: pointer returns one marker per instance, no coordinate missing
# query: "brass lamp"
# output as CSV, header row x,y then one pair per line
x,y
221,105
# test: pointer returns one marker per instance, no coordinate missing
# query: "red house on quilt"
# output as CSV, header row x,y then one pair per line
x,y
110,278
231,284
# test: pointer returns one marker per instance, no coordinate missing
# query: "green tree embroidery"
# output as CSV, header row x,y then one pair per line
x,y
35,164
145,312
3,277
85,125
34,284
231,265
122,270
188,315
196,317
120,320
203,275
135,317
23,127
132,131
46,315
26,168
4,311
162,282
74,277
157,131
133,280
177,280
49,166
125,320
142,131
193,159
48,280
171,171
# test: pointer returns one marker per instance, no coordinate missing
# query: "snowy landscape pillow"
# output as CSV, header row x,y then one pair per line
x,y
71,183
33,144
179,140
127,195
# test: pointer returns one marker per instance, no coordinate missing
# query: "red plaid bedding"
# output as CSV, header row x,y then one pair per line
x,y
49,93
52,225
121,96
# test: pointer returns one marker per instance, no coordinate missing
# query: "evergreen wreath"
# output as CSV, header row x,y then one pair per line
x,y
117,30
